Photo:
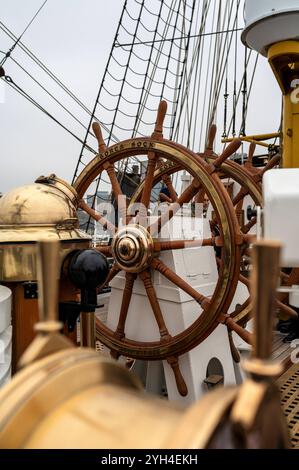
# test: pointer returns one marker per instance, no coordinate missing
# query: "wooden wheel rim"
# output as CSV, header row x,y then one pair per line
x,y
228,276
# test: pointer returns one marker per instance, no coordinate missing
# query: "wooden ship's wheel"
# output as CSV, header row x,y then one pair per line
x,y
136,248
249,179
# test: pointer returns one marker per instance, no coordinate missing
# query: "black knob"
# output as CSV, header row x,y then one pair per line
x,y
88,269
251,213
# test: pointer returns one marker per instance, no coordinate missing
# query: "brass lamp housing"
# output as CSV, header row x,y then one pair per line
x,y
45,209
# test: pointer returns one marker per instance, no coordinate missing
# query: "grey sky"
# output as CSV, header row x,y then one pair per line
x,y
73,38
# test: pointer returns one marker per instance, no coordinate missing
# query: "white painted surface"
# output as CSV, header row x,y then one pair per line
x,y
294,297
281,205
269,22
5,335
5,308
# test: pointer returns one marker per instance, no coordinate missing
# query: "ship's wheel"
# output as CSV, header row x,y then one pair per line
x,y
136,247
249,180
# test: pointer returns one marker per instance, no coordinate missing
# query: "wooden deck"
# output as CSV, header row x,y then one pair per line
x,y
289,387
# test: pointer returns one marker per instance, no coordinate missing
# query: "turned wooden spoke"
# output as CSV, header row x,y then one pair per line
x,y
158,132
152,159
167,181
184,198
165,198
111,275
158,265
288,311
98,133
127,295
228,152
211,140
234,351
114,181
149,179
151,293
181,244
249,238
98,217
240,196
180,382
119,197
244,281
271,164
233,326
246,228
249,162
199,198
104,249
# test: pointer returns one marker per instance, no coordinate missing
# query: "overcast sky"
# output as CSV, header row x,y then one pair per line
x,y
73,38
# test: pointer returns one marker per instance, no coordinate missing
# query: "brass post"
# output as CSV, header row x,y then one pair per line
x,y
264,282
48,276
265,277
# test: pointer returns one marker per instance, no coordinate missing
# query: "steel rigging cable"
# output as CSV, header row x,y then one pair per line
x,y
23,93
22,34
48,72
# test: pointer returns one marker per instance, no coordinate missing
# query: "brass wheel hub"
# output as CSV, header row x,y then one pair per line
x,y
133,248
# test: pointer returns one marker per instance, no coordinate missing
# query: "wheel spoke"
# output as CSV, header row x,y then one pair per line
x,y
149,179
119,197
127,295
247,227
104,249
151,293
165,198
111,275
233,326
98,133
199,199
113,180
180,382
184,198
287,310
249,162
211,139
168,183
271,164
240,196
228,152
97,217
244,281
181,244
152,162
158,265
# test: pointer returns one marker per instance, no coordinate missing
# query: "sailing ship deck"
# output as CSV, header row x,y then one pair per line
x,y
289,388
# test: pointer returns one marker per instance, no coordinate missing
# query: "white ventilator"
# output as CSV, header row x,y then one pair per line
x,y
269,22
5,335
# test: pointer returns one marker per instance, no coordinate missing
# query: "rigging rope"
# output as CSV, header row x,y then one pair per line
x,y
8,54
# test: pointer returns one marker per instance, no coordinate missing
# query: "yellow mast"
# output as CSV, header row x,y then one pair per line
x,y
284,61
